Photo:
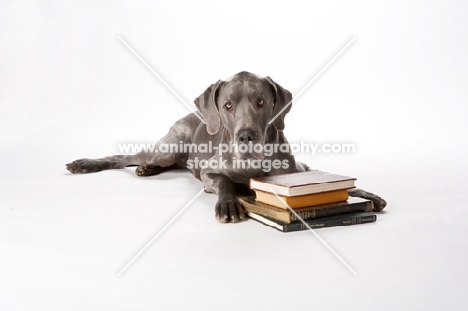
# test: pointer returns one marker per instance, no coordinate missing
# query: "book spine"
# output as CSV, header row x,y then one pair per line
x,y
332,211
317,224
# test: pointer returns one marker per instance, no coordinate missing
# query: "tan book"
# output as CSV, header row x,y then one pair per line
x,y
302,200
302,183
352,205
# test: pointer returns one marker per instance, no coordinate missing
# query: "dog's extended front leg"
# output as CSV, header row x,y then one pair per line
x,y
379,203
228,207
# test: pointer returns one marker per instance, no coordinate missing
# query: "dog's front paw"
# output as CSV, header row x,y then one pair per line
x,y
82,166
379,203
229,210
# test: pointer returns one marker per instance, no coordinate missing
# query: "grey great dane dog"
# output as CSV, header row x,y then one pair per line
x,y
237,113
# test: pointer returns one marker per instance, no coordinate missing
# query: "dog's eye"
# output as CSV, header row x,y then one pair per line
x,y
260,102
228,106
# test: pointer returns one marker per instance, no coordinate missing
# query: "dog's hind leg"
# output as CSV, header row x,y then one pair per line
x,y
150,163
82,166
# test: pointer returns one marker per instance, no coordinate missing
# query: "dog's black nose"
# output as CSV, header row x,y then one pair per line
x,y
246,135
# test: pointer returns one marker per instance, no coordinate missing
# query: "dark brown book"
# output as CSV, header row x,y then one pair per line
x,y
353,204
302,183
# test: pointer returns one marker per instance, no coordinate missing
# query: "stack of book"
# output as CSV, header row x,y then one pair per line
x,y
314,199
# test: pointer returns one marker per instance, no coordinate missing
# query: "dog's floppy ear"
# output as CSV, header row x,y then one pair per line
x,y
206,104
282,98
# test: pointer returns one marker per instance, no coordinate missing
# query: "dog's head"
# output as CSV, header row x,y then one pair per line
x,y
245,104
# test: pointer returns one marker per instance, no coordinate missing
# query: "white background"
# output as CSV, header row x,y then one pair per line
x,y
70,89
